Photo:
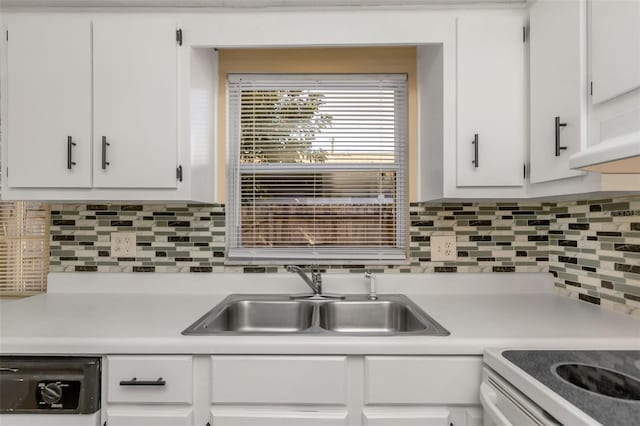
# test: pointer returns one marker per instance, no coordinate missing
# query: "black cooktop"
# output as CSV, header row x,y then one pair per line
x,y
604,384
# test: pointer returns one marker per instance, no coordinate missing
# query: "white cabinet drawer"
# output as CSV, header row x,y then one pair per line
x,y
394,416
150,417
277,417
423,380
278,379
125,373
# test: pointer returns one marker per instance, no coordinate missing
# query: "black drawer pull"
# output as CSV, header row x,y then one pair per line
x,y
135,382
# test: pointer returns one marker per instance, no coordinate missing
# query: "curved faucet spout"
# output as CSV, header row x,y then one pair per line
x,y
314,282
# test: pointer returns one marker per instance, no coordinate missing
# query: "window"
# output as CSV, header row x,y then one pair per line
x,y
24,248
317,168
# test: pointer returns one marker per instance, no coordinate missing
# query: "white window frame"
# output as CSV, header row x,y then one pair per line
x,y
236,254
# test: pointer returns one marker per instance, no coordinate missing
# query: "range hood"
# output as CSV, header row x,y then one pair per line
x,y
617,155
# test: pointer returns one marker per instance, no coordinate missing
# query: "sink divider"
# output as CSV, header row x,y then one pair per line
x,y
315,316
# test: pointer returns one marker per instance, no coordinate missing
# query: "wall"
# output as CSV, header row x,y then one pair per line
x,y
592,247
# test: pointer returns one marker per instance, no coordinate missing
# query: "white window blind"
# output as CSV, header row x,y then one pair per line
x,y
24,248
317,168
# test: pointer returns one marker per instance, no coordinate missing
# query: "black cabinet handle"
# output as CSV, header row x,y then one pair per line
x,y
70,145
105,144
476,144
558,147
135,382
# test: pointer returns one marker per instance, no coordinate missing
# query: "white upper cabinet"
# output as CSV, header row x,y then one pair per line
x,y
135,102
92,108
615,47
558,87
48,134
491,101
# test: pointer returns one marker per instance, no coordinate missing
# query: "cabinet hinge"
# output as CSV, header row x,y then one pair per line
x,y
179,36
179,173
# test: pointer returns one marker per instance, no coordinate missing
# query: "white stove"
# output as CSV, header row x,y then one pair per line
x,y
568,387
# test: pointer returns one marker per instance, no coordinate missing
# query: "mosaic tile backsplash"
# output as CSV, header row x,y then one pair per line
x,y
594,251
592,247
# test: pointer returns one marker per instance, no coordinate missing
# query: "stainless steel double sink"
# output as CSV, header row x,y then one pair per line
x,y
389,314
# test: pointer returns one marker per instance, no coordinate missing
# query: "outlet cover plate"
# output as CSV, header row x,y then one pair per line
x,y
123,244
443,247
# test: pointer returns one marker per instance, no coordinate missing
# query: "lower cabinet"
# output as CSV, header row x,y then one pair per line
x,y
144,390
422,391
422,416
290,380
292,390
274,417
282,390
432,416
149,416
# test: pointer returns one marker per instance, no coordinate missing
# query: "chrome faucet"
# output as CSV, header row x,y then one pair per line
x,y
315,282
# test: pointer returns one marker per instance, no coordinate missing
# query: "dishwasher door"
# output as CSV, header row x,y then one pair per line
x,y
504,405
49,391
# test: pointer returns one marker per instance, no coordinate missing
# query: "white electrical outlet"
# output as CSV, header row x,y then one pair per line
x,y
123,244
443,247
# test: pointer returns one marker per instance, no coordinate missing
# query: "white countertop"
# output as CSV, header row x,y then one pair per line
x,y
87,313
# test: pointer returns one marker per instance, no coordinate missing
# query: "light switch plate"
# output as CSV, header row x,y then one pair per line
x,y
443,247
123,244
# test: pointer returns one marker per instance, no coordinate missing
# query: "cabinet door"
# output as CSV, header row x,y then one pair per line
x,y
275,379
558,87
135,102
49,101
615,48
422,380
272,417
490,101
149,416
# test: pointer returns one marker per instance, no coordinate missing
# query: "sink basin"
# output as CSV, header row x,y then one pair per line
x,y
280,314
600,380
255,316
376,316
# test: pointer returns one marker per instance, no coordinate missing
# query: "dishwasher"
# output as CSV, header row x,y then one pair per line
x,y
49,391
